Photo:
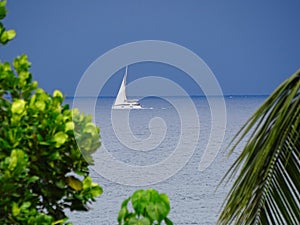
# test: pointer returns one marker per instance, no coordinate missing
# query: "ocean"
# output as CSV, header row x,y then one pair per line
x,y
155,148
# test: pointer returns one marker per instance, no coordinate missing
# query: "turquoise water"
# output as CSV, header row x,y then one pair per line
x,y
193,194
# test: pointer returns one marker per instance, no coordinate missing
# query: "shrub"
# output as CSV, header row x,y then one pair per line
x,y
43,170
149,207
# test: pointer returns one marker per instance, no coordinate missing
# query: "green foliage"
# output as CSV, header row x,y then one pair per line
x,y
5,35
42,169
149,207
266,191
39,154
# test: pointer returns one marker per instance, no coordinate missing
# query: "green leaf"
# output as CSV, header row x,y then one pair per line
x,y
3,12
15,209
125,202
10,34
133,221
87,182
57,94
142,221
33,179
3,3
96,191
153,211
18,106
55,156
62,221
74,183
69,126
60,184
4,37
60,138
6,67
122,213
7,36
140,199
168,221
13,160
40,105
164,198
25,205
21,63
23,75
34,84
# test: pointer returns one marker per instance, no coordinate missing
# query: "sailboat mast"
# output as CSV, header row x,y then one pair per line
x,y
124,82
125,76
121,97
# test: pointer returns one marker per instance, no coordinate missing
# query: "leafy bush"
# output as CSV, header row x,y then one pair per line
x,y
43,169
40,161
149,207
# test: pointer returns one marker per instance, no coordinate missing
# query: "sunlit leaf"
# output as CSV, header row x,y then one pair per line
x,y
87,182
60,138
62,221
122,214
15,209
74,183
10,34
96,191
18,106
40,105
25,205
69,126
57,94
141,221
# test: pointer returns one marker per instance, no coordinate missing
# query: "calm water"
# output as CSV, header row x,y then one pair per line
x,y
193,195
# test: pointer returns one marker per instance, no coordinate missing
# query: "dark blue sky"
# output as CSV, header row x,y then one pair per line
x,y
251,46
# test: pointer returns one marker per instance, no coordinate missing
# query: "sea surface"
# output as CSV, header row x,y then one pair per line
x,y
153,136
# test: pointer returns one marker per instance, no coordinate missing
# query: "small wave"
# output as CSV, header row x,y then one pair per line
x,y
147,108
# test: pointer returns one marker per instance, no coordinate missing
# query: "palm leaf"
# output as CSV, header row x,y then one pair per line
x,y
266,191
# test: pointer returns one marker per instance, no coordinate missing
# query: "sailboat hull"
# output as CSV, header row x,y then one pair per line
x,y
128,105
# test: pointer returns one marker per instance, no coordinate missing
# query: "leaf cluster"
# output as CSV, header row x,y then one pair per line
x,y
149,207
43,170
266,191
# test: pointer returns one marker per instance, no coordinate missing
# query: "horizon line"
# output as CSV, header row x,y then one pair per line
x,y
236,95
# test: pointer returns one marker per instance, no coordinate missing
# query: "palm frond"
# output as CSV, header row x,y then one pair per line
x,y
266,191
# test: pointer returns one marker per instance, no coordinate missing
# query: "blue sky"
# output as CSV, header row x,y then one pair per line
x,y
251,46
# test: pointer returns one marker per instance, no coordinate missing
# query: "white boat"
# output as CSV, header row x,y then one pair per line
x,y
121,101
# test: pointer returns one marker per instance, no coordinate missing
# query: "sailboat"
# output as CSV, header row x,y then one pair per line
x,y
121,101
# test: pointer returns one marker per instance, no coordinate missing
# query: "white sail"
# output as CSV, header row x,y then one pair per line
x,y
121,101
121,97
